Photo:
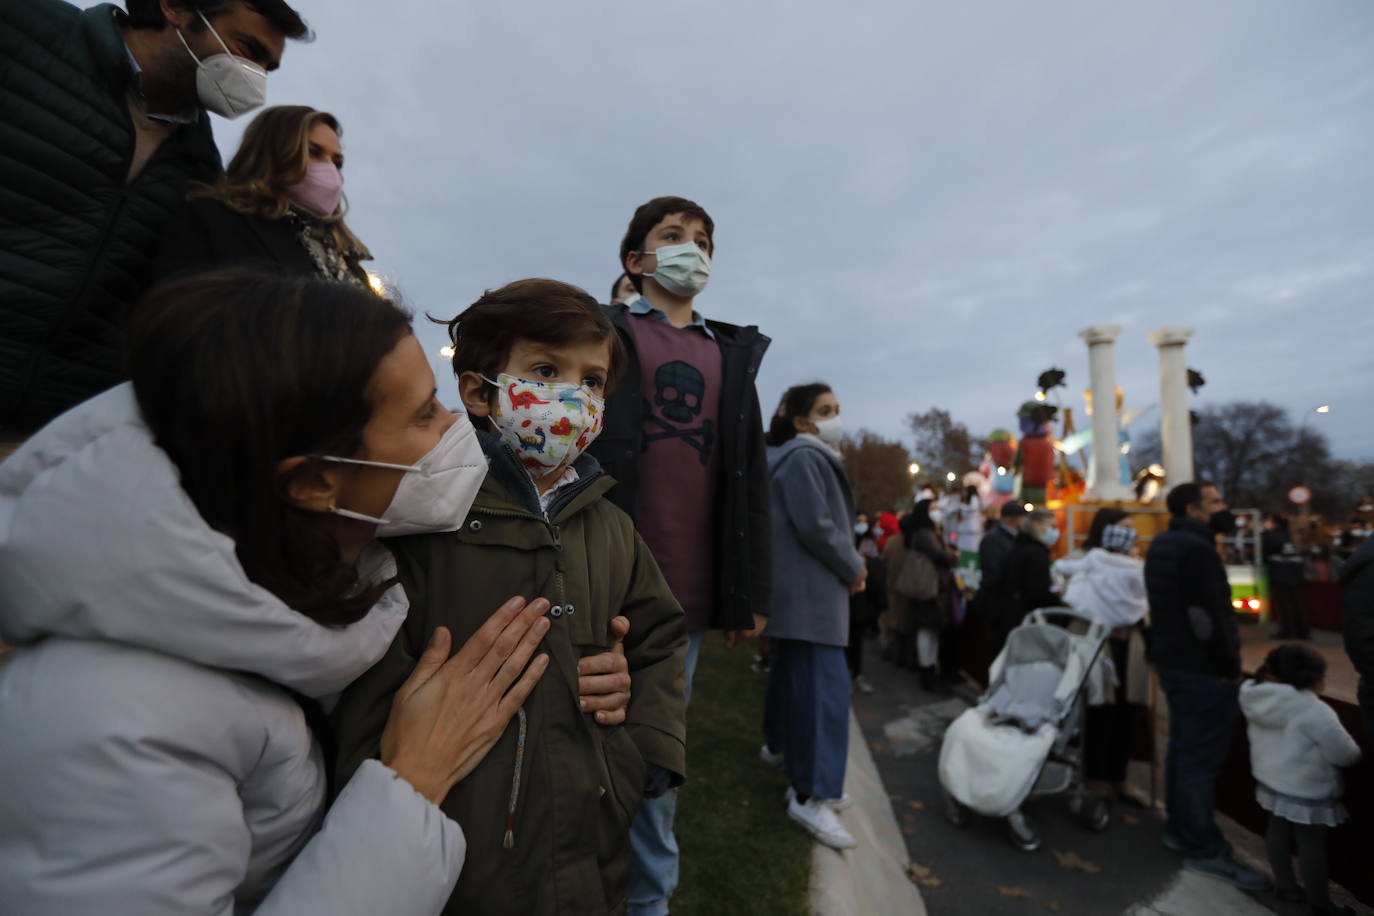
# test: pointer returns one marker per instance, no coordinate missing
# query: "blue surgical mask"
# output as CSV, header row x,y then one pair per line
x,y
682,270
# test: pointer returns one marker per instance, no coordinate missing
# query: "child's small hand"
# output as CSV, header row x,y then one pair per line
x,y
604,680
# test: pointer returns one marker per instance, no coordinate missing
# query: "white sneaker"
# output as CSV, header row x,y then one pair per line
x,y
843,803
863,685
821,822
770,758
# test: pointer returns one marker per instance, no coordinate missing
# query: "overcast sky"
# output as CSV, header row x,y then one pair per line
x,y
920,203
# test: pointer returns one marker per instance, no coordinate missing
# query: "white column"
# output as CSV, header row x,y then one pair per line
x,y
1175,428
1104,475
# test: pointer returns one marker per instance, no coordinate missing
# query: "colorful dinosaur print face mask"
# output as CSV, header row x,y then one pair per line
x,y
546,424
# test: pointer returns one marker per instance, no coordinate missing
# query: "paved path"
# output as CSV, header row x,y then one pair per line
x,y
974,871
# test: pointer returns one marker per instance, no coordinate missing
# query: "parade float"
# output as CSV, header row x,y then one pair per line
x,y
1075,472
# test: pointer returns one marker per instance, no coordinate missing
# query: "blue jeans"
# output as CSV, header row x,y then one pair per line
x,y
1202,716
654,862
806,715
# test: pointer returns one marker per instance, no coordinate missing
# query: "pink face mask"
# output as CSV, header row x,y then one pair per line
x,y
320,190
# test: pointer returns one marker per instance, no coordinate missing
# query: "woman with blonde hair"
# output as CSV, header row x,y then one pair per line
x,y
279,207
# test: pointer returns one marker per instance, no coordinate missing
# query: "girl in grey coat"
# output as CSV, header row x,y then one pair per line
x,y
187,564
815,569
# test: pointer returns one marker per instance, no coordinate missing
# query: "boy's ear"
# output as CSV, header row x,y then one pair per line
x,y
634,263
475,393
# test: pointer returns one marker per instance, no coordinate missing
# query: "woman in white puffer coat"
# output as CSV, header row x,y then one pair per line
x,y
1108,582
187,565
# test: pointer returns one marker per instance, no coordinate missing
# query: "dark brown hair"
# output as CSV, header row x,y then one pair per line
x,y
1297,666
650,215
236,371
797,401
543,311
1101,520
147,14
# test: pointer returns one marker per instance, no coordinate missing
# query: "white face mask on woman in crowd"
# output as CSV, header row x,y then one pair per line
x,y
436,492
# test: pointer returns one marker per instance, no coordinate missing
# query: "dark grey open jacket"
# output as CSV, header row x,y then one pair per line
x,y
742,538
814,559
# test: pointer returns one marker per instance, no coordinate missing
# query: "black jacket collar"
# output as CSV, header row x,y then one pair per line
x,y
1193,526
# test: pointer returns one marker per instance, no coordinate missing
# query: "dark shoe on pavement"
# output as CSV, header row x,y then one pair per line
x,y
1229,870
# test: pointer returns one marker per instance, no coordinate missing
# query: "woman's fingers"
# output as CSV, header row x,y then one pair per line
x,y
518,657
520,691
480,643
431,660
510,639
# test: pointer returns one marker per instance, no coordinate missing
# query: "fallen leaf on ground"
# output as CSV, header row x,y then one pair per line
x,y
922,876
1052,906
1071,860
1130,820
1012,891
874,746
916,805
908,830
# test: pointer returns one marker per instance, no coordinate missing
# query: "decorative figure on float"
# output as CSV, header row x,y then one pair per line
x,y
1034,461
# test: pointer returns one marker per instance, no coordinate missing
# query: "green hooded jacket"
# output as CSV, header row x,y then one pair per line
x,y
580,783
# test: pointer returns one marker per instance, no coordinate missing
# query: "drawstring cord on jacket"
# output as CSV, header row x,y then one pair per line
x,y
509,841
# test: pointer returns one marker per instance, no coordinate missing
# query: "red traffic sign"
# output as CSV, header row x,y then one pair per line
x,y
1300,495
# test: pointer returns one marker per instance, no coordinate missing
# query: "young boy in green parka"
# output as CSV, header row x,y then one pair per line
x,y
546,814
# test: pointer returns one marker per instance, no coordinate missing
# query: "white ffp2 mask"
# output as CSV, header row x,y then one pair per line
x,y
227,84
436,492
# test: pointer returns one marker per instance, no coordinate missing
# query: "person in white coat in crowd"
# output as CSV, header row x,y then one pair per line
x,y
187,565
1297,747
1108,582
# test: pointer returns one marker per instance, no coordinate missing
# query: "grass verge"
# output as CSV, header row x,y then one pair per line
x,y
740,852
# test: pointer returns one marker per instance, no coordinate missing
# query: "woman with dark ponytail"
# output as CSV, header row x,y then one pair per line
x,y
815,569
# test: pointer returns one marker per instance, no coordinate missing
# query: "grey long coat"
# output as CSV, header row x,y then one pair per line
x,y
814,559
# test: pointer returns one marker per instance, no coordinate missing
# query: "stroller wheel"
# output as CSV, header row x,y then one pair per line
x,y
1022,832
955,813
1096,815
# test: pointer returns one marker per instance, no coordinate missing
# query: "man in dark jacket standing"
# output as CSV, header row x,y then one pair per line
x,y
103,125
1195,646
1022,582
684,441
1357,593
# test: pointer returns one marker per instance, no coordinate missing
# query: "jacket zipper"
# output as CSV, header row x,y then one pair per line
x,y
508,839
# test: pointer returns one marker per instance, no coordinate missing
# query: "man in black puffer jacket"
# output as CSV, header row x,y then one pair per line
x,y
1357,593
102,128
1195,646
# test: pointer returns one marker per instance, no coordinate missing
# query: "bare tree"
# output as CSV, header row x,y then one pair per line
x,y
877,470
944,445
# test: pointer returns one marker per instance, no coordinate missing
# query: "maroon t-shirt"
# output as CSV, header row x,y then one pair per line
x,y
681,459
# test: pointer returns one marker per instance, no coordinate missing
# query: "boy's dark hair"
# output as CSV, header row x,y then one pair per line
x,y
544,311
1297,666
1185,495
797,401
147,14
650,215
616,285
236,371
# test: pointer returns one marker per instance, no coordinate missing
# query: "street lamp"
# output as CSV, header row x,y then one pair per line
x,y
950,477
913,469
446,351
1325,408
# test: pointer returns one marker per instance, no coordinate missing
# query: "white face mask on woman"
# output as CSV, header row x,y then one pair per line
x,y
830,430
436,492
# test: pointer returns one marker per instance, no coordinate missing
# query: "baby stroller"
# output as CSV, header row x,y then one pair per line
x,y
1024,739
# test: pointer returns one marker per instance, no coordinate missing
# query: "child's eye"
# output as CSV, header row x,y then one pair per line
x,y
594,382
545,371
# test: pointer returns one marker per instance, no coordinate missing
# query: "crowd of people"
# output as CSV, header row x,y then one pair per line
x,y
280,612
